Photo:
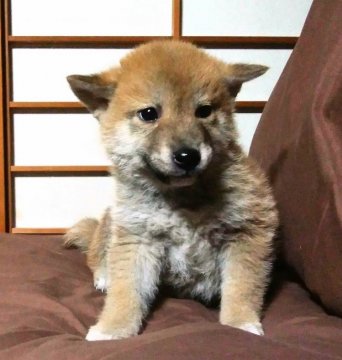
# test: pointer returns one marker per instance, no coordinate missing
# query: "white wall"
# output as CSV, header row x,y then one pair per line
x,y
73,139
244,17
91,17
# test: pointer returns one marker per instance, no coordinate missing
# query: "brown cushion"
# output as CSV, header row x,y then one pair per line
x,y
48,302
299,144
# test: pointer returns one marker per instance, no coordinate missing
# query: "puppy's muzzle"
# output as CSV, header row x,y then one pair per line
x,y
187,158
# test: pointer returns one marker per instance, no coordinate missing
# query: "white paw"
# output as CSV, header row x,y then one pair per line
x,y
101,280
101,283
254,328
96,335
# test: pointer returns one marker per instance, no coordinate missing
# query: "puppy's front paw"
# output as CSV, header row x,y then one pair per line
x,y
254,328
248,321
96,334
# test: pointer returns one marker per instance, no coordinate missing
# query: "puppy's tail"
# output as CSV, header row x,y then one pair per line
x,y
81,234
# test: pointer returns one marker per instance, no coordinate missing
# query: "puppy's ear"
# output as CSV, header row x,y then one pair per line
x,y
94,91
237,74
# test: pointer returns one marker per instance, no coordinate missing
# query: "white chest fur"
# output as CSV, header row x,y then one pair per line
x,y
188,260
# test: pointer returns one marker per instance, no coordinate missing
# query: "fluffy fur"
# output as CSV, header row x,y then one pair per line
x,y
208,233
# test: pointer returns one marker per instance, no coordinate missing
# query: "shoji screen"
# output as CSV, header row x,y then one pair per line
x,y
56,169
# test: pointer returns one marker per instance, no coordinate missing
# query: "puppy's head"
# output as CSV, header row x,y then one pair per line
x,y
166,112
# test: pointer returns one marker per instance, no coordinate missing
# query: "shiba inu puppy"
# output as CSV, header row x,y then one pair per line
x,y
191,211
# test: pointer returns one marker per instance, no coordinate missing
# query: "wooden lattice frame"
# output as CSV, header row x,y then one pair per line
x,y
8,171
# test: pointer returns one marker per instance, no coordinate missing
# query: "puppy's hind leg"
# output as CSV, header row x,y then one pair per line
x,y
97,251
92,236
81,234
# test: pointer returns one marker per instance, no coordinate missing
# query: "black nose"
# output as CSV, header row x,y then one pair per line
x,y
187,158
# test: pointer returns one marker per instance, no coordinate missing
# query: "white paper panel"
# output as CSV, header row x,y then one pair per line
x,y
258,89
74,139
60,201
40,74
246,126
244,17
57,139
90,17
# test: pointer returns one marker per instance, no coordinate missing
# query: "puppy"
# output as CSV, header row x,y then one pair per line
x,y
191,211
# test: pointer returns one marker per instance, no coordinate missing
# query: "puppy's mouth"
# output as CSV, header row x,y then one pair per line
x,y
185,178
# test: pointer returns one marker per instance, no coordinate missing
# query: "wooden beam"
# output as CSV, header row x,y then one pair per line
x,y
9,144
39,231
80,41
176,19
3,168
250,106
59,170
240,42
243,42
76,107
47,107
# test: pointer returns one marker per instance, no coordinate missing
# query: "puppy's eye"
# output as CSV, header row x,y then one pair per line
x,y
149,114
203,111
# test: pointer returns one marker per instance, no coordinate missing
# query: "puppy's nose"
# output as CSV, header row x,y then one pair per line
x,y
187,158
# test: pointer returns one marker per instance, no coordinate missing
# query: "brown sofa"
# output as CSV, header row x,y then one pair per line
x,y
47,300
